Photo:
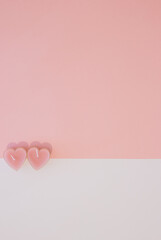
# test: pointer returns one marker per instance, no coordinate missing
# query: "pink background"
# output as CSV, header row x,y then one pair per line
x,y
83,75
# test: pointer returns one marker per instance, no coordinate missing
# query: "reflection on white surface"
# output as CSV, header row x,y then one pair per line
x,y
82,200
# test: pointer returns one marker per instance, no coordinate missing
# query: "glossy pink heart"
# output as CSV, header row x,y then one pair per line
x,y
14,145
38,158
15,158
39,145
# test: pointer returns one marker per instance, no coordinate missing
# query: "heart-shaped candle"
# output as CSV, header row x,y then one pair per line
x,y
15,158
38,158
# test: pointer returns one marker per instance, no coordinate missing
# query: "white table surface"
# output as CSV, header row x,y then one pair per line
x,y
82,200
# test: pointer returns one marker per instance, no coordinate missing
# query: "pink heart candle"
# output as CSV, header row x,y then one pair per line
x,y
15,158
38,158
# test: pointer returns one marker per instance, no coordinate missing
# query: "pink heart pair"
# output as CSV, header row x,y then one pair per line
x,y
37,157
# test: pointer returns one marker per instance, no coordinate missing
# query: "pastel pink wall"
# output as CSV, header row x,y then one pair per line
x,y
83,75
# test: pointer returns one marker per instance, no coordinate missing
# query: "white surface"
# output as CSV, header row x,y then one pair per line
x,y
82,200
